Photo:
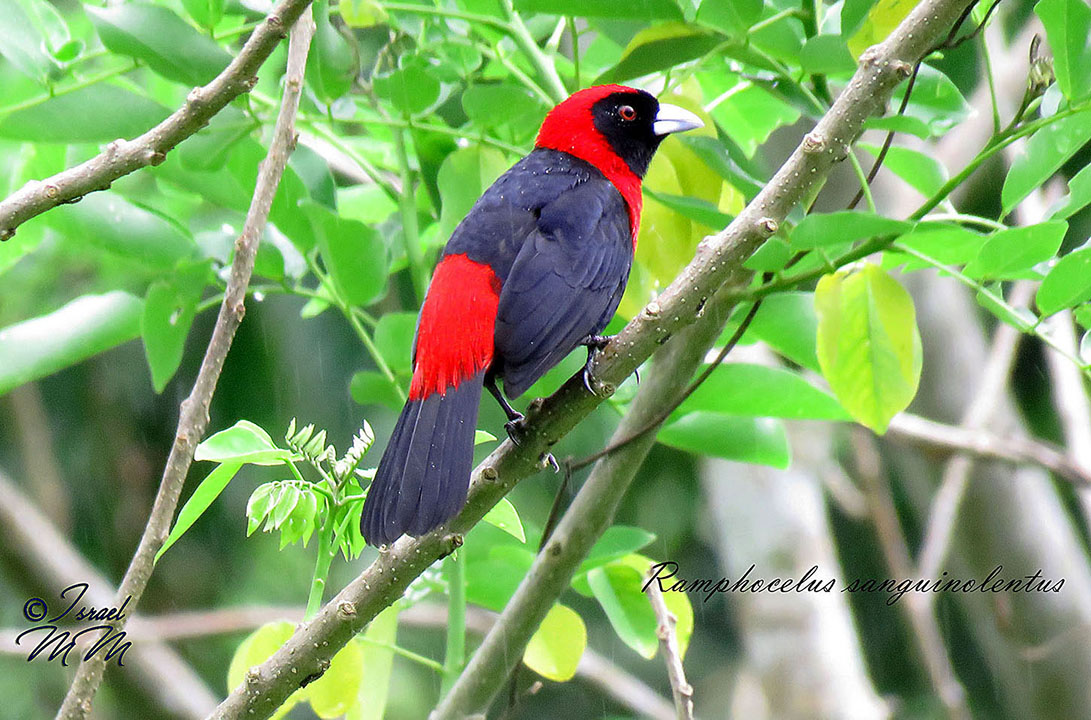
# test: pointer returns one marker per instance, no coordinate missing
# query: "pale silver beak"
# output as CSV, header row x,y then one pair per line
x,y
672,119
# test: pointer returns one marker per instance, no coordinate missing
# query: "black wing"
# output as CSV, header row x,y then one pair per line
x,y
565,283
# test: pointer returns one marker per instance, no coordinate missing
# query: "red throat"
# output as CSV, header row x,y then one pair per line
x,y
570,128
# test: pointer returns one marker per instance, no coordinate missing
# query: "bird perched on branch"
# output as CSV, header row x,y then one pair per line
x,y
535,270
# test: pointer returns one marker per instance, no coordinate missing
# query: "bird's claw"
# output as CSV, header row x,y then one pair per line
x,y
516,429
597,342
548,460
593,343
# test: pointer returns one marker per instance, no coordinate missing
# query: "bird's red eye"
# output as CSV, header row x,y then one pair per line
x,y
627,112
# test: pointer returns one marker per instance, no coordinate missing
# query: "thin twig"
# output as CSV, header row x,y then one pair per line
x,y
193,420
987,445
672,653
122,157
717,263
56,564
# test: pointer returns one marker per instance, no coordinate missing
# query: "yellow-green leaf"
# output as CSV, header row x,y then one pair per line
x,y
555,649
880,21
258,647
868,344
336,691
378,663
504,516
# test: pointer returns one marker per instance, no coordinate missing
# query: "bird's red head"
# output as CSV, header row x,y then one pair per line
x,y
617,129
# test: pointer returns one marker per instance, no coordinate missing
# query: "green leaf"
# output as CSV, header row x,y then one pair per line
x,y
336,691
853,14
922,172
642,10
361,13
712,153
331,64
733,18
902,124
369,387
491,580
463,176
258,647
1079,195
936,102
744,439
243,442
617,542
761,391
207,13
105,111
354,254
787,323
826,55
504,516
868,344
209,489
823,229
1010,253
1068,27
661,47
1068,284
394,338
22,41
154,34
110,222
495,104
378,666
697,209
617,588
555,649
169,308
481,437
883,17
1082,314
83,328
1043,155
410,89
946,244
259,505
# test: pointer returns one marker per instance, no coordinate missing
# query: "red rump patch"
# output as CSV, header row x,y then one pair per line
x,y
455,332
570,128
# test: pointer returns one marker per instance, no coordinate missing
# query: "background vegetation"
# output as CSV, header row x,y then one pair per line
x,y
972,303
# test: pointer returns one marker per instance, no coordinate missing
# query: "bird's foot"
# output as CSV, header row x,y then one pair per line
x,y
593,343
548,460
596,342
516,429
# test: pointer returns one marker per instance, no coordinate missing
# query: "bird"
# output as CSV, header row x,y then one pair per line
x,y
535,270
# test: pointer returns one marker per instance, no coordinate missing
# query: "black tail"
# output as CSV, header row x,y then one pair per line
x,y
425,471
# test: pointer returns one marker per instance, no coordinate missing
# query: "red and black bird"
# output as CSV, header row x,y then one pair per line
x,y
535,270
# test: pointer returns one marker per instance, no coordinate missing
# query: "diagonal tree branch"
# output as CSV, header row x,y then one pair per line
x,y
718,259
122,157
193,420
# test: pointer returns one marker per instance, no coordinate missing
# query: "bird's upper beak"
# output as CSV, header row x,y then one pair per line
x,y
672,119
